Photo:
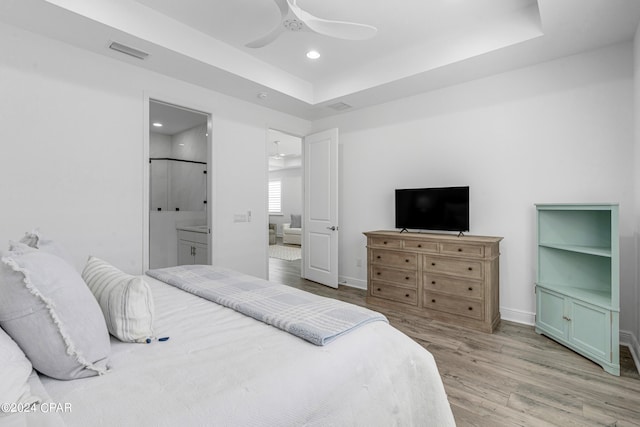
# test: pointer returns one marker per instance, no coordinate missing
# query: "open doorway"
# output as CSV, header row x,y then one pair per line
x,y
285,206
179,185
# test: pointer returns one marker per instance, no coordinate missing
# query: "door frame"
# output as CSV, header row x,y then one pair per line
x,y
303,194
146,181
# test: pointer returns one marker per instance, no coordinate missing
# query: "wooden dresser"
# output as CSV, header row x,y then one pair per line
x,y
444,277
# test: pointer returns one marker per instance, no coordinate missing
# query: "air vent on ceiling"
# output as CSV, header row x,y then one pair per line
x,y
339,106
128,50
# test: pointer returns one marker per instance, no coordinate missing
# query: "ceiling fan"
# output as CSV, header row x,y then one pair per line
x,y
278,155
295,19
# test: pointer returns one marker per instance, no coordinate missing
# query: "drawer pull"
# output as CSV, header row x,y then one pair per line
x,y
406,260
406,278
378,257
566,318
433,263
378,273
470,308
384,243
459,249
433,300
470,288
419,245
433,282
406,295
470,269
379,289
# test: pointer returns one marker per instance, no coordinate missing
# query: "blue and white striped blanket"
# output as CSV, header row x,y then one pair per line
x,y
316,319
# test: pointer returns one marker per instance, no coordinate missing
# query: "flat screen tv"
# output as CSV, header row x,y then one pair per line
x,y
442,209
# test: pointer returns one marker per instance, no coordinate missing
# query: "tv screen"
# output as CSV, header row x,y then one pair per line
x,y
444,209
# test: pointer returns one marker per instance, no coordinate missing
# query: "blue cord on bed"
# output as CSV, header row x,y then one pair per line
x,y
157,339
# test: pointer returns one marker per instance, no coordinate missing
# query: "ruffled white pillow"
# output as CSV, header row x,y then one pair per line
x,y
49,311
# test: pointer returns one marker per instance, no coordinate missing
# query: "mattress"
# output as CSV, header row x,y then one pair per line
x,y
222,368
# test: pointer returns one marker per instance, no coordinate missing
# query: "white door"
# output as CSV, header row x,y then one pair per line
x,y
320,227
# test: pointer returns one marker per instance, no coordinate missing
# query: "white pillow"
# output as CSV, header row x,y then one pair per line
x,y
126,301
15,369
52,315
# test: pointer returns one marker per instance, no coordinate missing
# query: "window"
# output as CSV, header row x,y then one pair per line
x,y
275,197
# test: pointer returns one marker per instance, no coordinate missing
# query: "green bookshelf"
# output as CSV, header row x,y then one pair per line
x,y
577,280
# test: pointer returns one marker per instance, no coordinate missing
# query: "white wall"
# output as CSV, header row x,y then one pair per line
x,y
159,145
72,153
560,131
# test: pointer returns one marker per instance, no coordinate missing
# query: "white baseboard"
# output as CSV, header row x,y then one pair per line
x,y
629,339
518,316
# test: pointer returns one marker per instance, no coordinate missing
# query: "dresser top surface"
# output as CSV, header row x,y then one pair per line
x,y
435,236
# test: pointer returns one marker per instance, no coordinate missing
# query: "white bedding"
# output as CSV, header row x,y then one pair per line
x,y
222,368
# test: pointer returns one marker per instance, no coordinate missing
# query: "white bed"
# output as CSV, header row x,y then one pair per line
x,y
222,368
92,338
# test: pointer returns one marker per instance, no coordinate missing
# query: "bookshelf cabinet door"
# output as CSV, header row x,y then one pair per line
x,y
590,329
550,318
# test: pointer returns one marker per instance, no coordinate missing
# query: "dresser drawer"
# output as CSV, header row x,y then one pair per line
x,y
453,286
421,246
394,293
462,249
386,243
394,259
457,267
405,277
453,305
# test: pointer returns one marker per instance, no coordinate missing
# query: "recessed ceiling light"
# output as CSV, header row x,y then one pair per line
x,y
313,54
157,124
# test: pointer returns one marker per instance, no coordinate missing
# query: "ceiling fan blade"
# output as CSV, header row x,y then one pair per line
x,y
283,6
267,38
342,30
337,29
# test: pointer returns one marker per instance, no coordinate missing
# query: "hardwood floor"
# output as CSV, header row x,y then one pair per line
x,y
513,377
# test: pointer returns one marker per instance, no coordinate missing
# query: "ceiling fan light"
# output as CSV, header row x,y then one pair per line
x,y
313,54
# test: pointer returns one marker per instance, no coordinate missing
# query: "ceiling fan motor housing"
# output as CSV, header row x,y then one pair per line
x,y
293,24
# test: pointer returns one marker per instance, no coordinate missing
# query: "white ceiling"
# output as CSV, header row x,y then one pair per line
x,y
173,119
420,45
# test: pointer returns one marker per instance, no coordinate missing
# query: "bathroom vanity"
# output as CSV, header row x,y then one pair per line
x,y
193,246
